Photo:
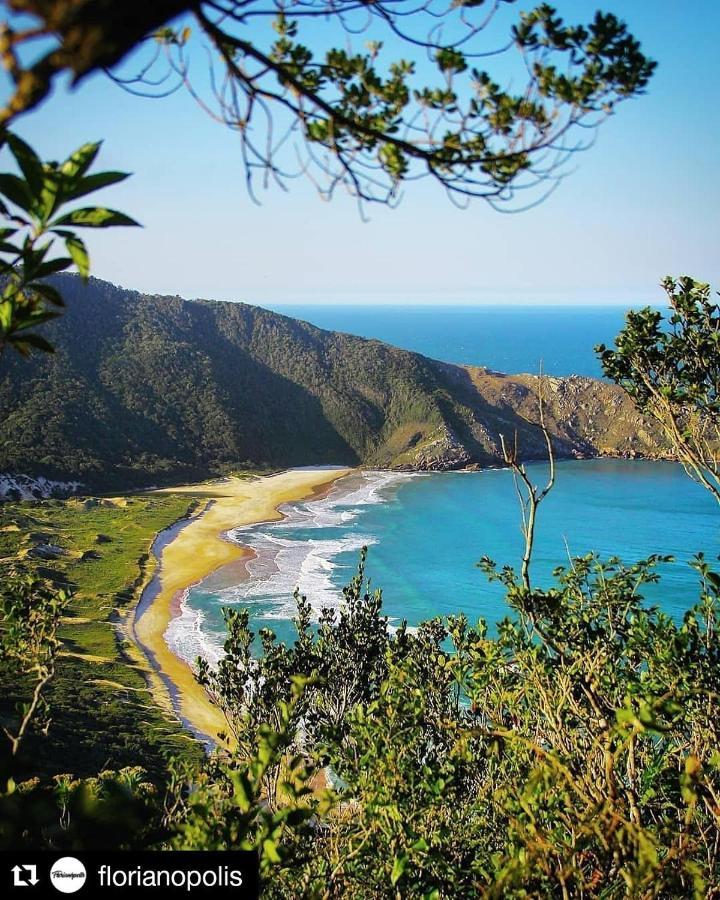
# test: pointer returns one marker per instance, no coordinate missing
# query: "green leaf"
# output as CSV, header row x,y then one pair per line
x,y
32,319
49,196
714,580
399,866
80,161
49,293
626,716
78,251
270,851
24,342
6,313
243,790
95,217
53,266
28,161
94,183
16,190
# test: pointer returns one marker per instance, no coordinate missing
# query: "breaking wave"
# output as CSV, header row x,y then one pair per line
x,y
300,551
188,636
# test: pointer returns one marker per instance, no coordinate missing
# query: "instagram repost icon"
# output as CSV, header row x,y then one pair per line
x,y
68,875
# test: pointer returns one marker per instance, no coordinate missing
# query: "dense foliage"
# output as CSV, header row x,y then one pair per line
x,y
30,611
70,573
143,389
575,753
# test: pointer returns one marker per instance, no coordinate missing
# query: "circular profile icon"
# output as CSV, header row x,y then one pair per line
x,y
68,875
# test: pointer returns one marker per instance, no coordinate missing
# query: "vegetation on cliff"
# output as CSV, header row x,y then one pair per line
x,y
148,389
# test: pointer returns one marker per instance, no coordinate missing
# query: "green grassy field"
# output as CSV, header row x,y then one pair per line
x,y
104,715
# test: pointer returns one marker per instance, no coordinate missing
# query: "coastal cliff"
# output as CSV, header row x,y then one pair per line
x,y
150,390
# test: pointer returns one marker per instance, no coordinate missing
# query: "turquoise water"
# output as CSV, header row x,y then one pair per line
x,y
426,532
504,338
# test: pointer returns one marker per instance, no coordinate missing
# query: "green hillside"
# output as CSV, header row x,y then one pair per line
x,y
150,389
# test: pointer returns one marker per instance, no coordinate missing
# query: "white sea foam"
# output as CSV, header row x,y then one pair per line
x,y
281,562
187,638
282,565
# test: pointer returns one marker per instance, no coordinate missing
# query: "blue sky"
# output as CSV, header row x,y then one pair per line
x,y
642,203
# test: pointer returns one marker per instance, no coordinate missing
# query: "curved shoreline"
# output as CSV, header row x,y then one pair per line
x,y
199,548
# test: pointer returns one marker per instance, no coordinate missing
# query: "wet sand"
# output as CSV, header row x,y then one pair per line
x,y
199,548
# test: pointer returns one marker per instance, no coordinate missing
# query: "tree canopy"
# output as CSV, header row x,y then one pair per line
x,y
670,367
367,119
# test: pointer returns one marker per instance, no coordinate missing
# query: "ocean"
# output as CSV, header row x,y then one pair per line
x,y
426,532
504,338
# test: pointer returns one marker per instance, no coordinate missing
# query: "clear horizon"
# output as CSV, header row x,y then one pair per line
x,y
438,303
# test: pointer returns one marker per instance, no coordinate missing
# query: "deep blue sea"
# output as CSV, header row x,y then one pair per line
x,y
425,533
503,338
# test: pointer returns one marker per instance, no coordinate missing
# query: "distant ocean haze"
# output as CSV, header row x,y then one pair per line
x,y
503,338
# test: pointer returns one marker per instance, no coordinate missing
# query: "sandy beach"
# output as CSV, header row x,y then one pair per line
x,y
201,548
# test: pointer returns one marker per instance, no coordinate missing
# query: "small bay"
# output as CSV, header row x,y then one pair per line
x,y
426,532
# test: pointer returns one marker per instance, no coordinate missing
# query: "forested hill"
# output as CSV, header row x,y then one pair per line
x,y
149,389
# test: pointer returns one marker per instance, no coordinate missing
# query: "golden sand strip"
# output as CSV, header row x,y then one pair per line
x,y
201,548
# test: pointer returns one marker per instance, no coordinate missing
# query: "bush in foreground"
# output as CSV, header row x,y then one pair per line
x,y
573,754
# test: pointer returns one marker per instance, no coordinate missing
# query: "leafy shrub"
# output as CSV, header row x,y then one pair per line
x,y
575,753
